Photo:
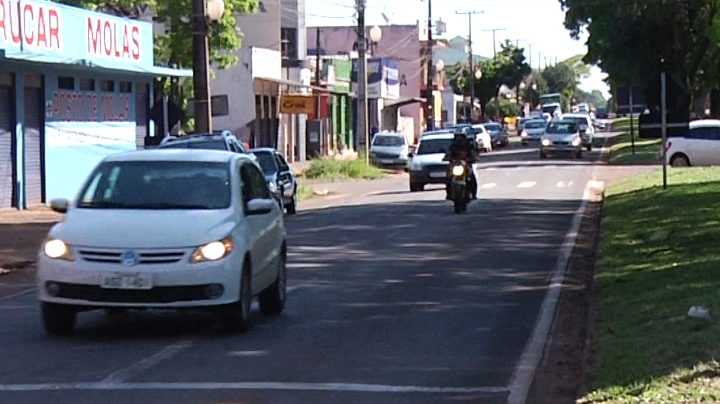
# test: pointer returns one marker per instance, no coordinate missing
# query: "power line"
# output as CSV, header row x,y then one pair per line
x,y
494,30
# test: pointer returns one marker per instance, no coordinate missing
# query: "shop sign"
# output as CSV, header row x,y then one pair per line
x,y
88,106
296,104
32,27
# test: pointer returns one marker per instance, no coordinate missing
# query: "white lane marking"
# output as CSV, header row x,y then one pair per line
x,y
560,184
596,184
489,185
334,387
570,184
129,372
18,294
525,369
527,184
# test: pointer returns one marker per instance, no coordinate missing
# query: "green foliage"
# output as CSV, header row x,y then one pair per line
x,y
507,107
331,169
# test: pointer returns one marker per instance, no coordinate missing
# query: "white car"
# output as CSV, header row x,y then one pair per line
x,y
389,148
701,146
587,129
427,165
482,137
165,229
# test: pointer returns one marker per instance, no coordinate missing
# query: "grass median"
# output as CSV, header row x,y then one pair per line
x,y
660,257
646,151
330,170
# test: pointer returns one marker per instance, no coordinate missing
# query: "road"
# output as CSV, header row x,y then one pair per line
x,y
393,299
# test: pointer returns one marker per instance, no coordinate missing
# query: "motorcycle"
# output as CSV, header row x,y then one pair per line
x,y
459,185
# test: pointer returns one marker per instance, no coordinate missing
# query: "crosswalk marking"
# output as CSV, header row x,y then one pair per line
x,y
489,185
528,184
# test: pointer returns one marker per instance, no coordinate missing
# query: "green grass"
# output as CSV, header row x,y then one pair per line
x,y
621,125
304,193
646,151
331,169
661,256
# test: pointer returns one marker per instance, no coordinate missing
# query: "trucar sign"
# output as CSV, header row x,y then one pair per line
x,y
34,26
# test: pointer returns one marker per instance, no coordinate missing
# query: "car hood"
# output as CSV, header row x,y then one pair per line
x,y
388,149
127,228
425,159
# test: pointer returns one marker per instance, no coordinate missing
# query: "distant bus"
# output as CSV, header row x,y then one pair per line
x,y
553,98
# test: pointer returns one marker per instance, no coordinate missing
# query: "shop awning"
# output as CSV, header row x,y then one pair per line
x,y
403,100
71,62
298,84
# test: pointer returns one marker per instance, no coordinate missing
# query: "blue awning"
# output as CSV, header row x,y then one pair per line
x,y
84,63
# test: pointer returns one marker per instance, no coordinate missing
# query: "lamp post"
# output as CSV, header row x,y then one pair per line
x,y
522,89
478,76
201,13
375,36
532,96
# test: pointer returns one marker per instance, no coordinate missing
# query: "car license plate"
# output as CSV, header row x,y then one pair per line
x,y
438,174
386,161
119,280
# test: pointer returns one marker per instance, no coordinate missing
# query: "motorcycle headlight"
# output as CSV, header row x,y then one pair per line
x,y
214,251
546,142
458,170
576,142
57,249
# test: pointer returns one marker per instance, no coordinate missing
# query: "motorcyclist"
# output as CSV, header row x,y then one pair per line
x,y
462,149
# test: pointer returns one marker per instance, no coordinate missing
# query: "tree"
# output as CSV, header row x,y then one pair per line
x,y
507,68
561,78
629,39
174,47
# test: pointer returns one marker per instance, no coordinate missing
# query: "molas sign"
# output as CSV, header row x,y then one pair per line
x,y
31,26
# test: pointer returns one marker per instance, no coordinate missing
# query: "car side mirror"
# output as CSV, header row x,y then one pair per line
x,y
284,168
259,206
60,205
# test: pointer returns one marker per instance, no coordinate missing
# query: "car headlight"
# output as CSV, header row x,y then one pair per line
x,y
214,251
546,142
524,134
576,142
458,170
272,186
58,249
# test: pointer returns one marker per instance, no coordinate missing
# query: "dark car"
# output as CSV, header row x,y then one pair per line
x,y
279,176
219,140
497,133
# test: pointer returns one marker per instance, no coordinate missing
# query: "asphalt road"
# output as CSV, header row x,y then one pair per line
x,y
394,299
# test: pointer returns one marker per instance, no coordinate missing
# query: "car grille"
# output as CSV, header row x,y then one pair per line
x,y
159,294
115,257
386,155
562,142
436,167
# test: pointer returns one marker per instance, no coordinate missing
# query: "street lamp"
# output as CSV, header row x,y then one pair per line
x,y
478,74
201,13
532,95
375,36
440,65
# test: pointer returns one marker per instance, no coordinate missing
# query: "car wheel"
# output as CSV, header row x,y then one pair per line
x,y
272,300
543,155
578,154
589,146
58,320
680,160
236,317
414,187
291,207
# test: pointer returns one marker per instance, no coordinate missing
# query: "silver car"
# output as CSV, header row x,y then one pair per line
x,y
533,131
561,137
389,148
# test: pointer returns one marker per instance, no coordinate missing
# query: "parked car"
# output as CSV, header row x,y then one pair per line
x,y
521,123
587,129
426,164
279,177
498,134
165,229
700,147
222,140
561,137
482,137
389,148
533,132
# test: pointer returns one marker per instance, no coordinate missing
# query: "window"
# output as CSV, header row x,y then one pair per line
x,y
705,133
254,185
288,43
268,162
391,141
125,87
219,144
434,146
107,86
219,105
66,83
157,185
87,85
232,146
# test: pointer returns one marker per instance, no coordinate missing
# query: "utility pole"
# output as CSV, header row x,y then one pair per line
x,y
663,119
471,62
362,80
539,59
530,55
317,71
430,104
201,78
494,30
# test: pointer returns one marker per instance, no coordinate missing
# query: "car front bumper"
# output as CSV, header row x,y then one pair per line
x,y
389,160
174,285
560,148
429,177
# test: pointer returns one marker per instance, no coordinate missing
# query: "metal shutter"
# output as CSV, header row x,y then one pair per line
x,y
7,181
33,140
141,112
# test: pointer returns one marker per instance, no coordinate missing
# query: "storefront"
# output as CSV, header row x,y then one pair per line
x,y
74,88
338,74
383,86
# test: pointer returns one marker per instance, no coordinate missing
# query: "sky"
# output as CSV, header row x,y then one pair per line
x,y
536,22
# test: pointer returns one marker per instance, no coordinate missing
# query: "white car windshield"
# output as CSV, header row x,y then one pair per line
x,y
535,125
561,128
157,185
382,140
434,146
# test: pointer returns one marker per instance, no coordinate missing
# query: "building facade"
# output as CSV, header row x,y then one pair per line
x,y
74,88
